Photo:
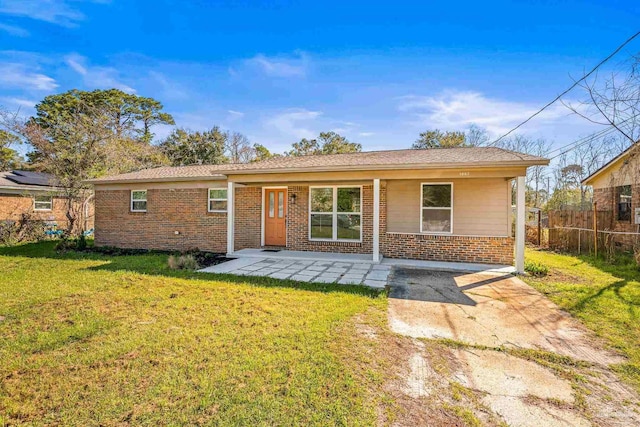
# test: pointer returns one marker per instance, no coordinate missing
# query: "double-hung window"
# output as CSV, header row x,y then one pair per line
x,y
436,208
43,203
138,200
217,200
335,213
624,202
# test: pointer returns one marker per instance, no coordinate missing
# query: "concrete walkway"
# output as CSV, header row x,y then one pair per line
x,y
306,270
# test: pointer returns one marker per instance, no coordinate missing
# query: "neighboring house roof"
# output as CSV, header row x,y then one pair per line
x,y
27,181
607,166
372,160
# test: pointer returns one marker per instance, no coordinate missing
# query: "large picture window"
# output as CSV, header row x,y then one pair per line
x,y
335,213
436,203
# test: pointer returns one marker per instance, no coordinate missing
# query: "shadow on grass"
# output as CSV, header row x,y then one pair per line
x,y
155,264
623,268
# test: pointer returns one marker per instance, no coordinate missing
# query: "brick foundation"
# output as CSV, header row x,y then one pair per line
x,y
490,250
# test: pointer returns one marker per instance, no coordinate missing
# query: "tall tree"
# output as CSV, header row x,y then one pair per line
x,y
438,139
126,115
73,147
326,143
238,147
537,193
184,147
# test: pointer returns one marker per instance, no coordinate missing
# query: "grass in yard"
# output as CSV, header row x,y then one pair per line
x,y
87,339
605,296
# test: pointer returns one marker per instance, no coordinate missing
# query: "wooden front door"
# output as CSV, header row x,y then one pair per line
x,y
275,214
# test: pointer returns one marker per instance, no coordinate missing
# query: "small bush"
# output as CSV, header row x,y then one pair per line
x,y
535,269
183,262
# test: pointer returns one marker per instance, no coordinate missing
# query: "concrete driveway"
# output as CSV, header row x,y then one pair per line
x,y
492,310
487,309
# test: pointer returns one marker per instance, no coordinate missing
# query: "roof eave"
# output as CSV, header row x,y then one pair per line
x,y
100,181
221,177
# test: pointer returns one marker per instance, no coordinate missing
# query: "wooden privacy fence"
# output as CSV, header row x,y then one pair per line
x,y
574,231
580,219
580,240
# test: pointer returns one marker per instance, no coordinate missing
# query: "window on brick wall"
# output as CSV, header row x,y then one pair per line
x,y
335,213
139,201
436,208
623,196
217,200
43,203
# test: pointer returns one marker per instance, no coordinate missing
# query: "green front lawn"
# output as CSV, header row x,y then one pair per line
x,y
95,340
604,296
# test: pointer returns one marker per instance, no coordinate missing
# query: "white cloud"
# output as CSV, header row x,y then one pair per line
x,y
14,30
280,66
57,12
14,75
454,110
19,102
294,122
234,115
366,134
96,77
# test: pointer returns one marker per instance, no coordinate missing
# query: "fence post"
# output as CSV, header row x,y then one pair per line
x,y
595,229
539,228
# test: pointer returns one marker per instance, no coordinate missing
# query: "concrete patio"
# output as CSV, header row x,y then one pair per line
x,y
323,267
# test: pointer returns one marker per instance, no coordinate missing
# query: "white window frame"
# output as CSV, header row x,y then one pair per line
x,y
50,203
334,214
138,200
422,208
209,200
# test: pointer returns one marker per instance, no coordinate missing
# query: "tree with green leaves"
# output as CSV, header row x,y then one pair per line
x,y
183,147
126,115
9,158
326,143
261,153
438,139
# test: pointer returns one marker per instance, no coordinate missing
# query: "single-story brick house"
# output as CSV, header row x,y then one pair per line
x,y
32,195
450,204
616,188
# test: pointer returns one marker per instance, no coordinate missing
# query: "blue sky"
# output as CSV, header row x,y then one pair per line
x,y
277,71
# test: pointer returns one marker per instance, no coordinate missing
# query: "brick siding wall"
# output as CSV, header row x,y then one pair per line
x,y
606,199
13,206
168,211
248,220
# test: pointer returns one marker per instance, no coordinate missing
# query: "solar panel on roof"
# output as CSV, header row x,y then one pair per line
x,y
30,178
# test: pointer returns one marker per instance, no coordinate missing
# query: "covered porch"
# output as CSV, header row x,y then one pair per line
x,y
377,243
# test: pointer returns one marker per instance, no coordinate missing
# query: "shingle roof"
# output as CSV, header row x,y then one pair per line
x,y
370,160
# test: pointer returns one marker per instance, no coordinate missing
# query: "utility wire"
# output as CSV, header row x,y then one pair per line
x,y
618,49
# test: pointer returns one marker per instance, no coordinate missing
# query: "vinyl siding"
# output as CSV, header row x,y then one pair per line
x,y
480,206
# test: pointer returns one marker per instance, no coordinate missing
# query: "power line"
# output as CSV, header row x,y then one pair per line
x,y
618,49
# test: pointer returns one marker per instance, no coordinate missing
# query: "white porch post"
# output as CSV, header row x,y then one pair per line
x,y
376,220
230,217
520,220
